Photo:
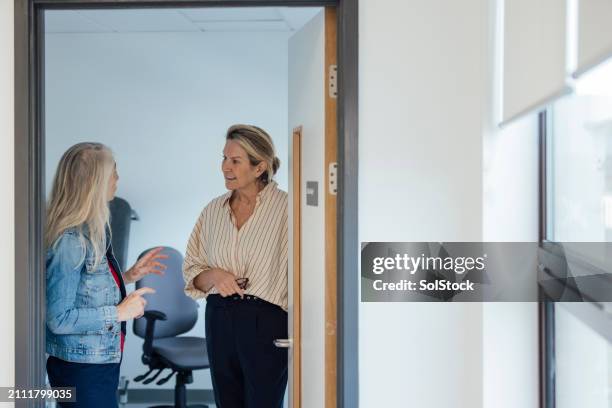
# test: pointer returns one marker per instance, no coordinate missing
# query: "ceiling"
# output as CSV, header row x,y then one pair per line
x,y
179,20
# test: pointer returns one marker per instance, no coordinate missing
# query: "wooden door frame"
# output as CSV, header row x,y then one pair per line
x,y
296,175
29,180
331,212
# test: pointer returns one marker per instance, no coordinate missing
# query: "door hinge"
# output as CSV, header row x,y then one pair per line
x,y
333,81
333,178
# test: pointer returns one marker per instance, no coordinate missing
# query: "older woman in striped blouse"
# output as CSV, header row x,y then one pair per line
x,y
237,259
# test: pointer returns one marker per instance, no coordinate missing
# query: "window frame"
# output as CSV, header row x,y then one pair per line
x,y
550,264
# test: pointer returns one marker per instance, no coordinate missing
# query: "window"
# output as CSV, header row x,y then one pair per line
x,y
583,359
576,140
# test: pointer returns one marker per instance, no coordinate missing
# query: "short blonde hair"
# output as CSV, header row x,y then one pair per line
x,y
79,196
259,147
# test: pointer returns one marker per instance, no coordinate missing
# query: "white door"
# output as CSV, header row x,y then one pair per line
x,y
307,109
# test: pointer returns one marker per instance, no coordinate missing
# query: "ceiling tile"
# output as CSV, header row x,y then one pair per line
x,y
297,17
178,20
148,20
271,25
70,21
232,14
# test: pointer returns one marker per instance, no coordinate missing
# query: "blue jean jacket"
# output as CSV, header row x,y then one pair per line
x,y
81,316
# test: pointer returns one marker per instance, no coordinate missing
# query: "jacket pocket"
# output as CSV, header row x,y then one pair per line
x,y
97,288
92,268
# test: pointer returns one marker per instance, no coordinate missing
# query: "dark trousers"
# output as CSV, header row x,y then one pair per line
x,y
247,369
96,384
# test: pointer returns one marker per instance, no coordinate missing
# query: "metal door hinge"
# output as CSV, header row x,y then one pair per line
x,y
333,178
333,81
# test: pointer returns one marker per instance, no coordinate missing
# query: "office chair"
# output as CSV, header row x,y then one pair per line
x,y
169,313
121,217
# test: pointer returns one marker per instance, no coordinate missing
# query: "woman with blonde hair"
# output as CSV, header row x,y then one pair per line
x,y
86,300
237,258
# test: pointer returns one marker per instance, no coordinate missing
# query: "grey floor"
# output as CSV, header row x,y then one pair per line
x,y
210,405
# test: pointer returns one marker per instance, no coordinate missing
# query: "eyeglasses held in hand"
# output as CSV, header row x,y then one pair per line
x,y
242,283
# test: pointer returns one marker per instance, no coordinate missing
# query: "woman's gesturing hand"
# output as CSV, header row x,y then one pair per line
x,y
132,307
225,282
147,264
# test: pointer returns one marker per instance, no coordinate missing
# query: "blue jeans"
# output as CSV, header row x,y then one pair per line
x,y
96,384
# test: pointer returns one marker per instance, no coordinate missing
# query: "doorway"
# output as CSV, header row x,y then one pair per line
x,y
29,142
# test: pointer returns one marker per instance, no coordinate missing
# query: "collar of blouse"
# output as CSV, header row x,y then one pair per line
x,y
261,195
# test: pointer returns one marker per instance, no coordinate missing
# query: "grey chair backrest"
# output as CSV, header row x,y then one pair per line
x,y
181,310
120,221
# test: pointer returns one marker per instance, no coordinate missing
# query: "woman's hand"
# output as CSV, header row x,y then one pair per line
x,y
225,282
132,307
146,265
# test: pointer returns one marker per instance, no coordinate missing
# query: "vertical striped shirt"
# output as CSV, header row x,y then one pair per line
x,y
258,250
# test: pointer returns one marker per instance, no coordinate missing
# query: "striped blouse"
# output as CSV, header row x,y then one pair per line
x,y
258,250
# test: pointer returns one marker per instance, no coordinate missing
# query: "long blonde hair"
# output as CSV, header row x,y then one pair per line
x,y
79,197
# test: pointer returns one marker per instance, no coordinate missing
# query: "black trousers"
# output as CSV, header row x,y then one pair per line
x,y
247,369
96,384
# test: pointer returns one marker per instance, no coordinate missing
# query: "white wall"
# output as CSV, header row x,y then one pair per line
x,y
306,108
510,205
510,213
422,92
7,223
162,102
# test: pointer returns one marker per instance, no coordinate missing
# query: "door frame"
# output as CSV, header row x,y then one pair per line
x,y
29,180
296,277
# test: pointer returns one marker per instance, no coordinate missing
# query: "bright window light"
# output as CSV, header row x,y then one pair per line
x,y
596,82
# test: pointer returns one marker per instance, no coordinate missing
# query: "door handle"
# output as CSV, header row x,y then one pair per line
x,y
283,343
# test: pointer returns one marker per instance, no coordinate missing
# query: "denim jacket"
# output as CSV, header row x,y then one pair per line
x,y
81,315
